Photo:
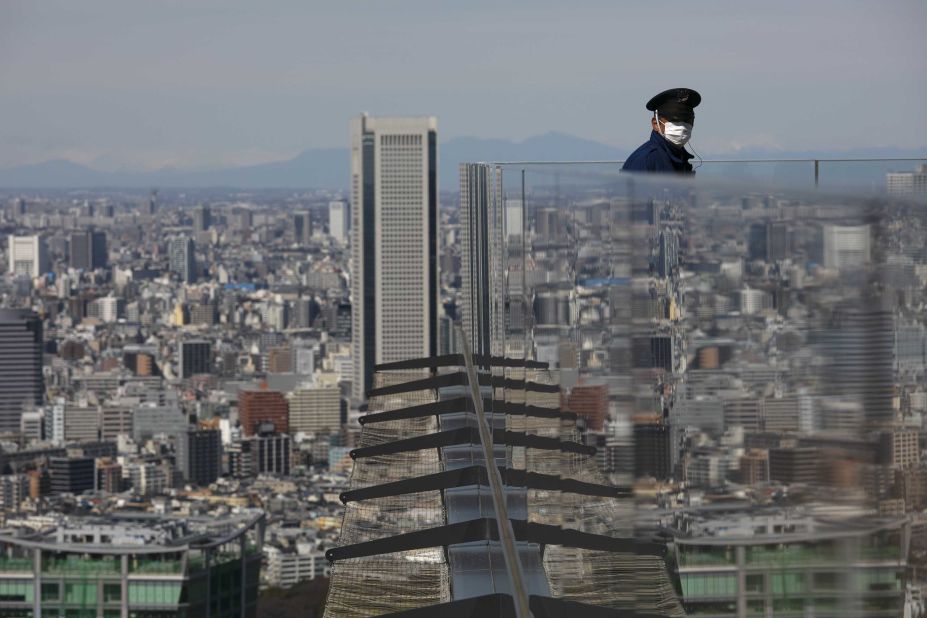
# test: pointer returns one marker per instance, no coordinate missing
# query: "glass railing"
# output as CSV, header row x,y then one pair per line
x,y
15,565
81,567
737,305
900,176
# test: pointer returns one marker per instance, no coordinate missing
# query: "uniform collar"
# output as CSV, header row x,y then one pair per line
x,y
677,155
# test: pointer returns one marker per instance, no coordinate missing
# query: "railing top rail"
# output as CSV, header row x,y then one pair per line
x,y
783,160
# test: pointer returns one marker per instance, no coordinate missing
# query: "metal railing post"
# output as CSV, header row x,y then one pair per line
x,y
817,171
503,523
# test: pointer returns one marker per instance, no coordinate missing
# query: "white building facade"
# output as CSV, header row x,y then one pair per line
x,y
394,277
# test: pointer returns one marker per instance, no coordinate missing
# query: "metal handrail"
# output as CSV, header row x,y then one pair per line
x,y
504,524
783,160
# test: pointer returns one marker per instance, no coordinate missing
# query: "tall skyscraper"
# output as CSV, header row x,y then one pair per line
x,y
194,357
302,227
28,255
183,258
202,219
88,250
338,220
394,190
21,384
199,456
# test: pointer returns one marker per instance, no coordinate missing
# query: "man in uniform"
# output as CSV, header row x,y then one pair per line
x,y
673,117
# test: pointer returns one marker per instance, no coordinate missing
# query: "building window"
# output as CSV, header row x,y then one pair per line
x,y
756,583
50,591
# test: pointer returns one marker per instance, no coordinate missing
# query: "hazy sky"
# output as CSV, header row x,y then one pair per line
x,y
126,84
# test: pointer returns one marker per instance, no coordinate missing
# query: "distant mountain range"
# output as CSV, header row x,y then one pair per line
x,y
328,167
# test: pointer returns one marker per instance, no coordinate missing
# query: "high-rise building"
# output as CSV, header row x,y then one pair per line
x,y
21,382
194,357
259,407
270,454
858,345
652,449
908,184
88,250
202,219
315,410
199,455
73,475
302,227
28,255
394,218
338,220
846,246
183,258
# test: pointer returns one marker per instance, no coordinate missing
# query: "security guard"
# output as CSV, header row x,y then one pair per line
x,y
673,117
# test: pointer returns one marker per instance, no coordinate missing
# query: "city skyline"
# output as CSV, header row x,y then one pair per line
x,y
257,86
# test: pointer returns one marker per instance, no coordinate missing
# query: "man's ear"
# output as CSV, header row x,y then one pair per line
x,y
654,124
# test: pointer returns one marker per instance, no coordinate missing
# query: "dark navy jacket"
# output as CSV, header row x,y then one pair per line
x,y
658,155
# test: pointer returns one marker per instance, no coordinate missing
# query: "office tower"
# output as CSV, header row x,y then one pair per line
x,y
28,255
151,206
14,488
109,477
21,383
756,242
150,420
338,221
183,258
202,219
279,359
107,309
514,217
204,313
32,425
303,311
394,218
778,241
858,346
270,454
315,410
908,184
199,456
18,208
115,420
81,422
652,449
668,257
194,357
302,227
846,246
260,407
73,475
88,250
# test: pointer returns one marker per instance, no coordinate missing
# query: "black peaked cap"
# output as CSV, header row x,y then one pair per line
x,y
676,103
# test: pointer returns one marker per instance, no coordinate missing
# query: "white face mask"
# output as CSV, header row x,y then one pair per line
x,y
677,134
